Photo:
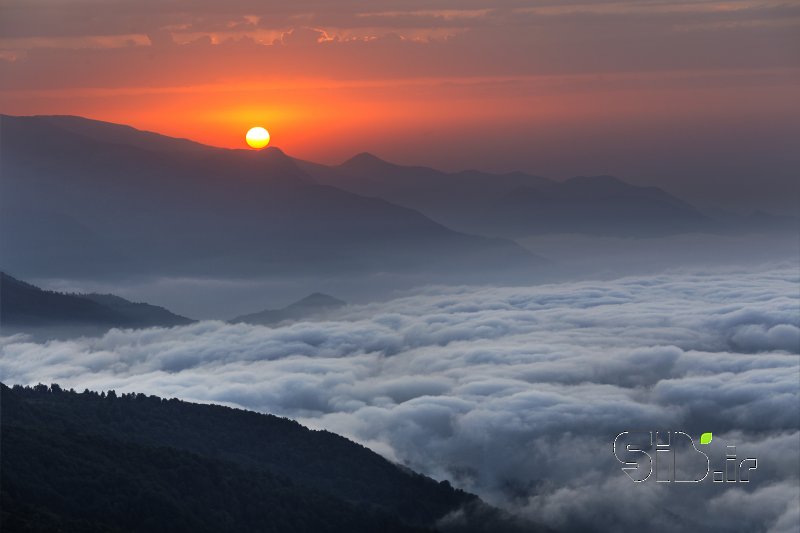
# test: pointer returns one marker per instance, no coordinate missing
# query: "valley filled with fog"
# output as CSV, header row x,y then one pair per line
x,y
512,392
567,257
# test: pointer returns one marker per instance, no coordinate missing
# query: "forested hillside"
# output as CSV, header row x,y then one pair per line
x,y
106,462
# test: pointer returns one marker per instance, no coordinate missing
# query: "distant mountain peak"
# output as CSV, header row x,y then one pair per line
x,y
365,160
275,155
312,305
366,156
275,151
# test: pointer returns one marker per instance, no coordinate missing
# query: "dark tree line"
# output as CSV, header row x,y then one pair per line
x,y
130,462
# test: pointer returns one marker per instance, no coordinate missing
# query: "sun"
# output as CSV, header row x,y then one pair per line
x,y
257,137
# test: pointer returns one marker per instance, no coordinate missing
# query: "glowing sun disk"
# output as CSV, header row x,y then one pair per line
x,y
257,137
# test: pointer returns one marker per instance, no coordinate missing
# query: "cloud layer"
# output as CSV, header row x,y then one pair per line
x,y
514,393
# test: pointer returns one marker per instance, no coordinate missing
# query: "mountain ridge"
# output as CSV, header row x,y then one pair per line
x,y
116,133
136,209
495,204
26,308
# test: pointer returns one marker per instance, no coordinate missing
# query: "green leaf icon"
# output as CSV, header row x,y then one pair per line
x,y
705,438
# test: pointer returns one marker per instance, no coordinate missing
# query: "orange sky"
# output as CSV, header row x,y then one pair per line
x,y
692,95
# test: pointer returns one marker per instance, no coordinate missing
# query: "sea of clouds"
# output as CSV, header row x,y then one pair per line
x,y
513,393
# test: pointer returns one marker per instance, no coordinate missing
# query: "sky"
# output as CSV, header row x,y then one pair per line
x,y
697,97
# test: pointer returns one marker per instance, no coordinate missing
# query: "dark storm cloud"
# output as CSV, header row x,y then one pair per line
x,y
514,393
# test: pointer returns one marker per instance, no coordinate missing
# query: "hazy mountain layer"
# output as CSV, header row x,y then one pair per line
x,y
517,204
84,198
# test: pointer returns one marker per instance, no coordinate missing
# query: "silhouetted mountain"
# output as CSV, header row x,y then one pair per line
x,y
311,306
27,308
142,314
449,198
23,303
595,205
87,198
102,462
108,132
516,205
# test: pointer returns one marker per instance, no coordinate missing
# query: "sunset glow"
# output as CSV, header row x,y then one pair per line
x,y
711,94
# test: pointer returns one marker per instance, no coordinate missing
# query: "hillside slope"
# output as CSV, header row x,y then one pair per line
x,y
27,308
102,462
